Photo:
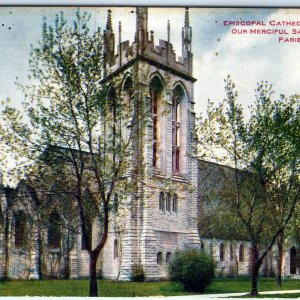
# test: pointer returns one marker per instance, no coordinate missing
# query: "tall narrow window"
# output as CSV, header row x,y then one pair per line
x,y
159,258
168,202
112,124
175,203
168,257
155,91
178,96
20,225
54,231
112,98
154,97
128,89
116,249
162,201
222,252
241,253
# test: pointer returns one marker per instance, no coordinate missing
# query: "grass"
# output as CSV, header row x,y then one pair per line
x,y
129,289
288,295
239,285
81,287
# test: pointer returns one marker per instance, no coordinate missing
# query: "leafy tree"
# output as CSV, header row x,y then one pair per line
x,y
264,151
73,129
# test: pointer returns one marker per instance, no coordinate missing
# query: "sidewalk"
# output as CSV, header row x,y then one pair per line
x,y
207,296
185,297
229,295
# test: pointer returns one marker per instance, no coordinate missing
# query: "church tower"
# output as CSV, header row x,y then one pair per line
x,y
162,206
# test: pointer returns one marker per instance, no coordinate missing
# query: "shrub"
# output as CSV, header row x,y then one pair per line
x,y
137,274
193,269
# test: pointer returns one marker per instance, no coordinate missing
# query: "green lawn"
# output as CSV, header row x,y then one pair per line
x,y
291,295
129,289
81,288
230,285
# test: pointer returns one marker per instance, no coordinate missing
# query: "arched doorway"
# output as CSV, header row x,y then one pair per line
x,y
293,260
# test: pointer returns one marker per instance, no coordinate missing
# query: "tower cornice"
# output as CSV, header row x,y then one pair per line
x,y
151,62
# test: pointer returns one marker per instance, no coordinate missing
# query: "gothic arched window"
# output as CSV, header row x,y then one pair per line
x,y
159,258
128,94
168,202
54,231
112,100
155,91
20,226
178,96
168,257
222,252
161,201
175,203
112,122
241,253
116,249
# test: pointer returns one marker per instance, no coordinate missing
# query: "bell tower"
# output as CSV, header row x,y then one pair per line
x,y
161,212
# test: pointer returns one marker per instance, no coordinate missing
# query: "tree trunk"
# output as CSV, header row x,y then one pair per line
x,y
255,265
280,259
93,275
254,278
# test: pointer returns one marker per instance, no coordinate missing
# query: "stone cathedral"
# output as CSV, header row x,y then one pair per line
x,y
162,213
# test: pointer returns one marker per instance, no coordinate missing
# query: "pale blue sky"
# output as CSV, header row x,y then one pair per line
x,y
217,52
